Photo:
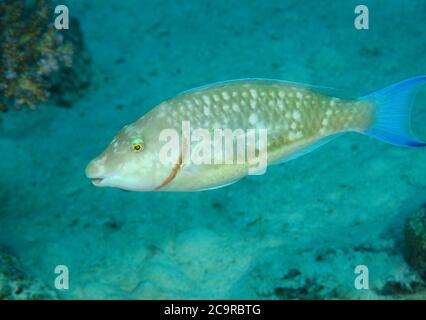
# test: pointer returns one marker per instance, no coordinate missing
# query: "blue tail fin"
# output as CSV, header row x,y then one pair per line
x,y
392,118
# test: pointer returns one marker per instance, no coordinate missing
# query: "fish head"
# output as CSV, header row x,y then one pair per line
x,y
130,162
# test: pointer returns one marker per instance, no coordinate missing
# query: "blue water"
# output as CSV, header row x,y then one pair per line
x,y
298,231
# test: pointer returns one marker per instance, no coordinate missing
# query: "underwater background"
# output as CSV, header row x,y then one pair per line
x,y
297,232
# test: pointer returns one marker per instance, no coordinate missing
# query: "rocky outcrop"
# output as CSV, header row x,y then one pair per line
x,y
16,285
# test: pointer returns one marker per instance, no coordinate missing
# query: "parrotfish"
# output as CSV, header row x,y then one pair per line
x,y
161,151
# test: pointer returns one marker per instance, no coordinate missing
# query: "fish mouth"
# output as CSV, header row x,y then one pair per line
x,y
93,173
97,181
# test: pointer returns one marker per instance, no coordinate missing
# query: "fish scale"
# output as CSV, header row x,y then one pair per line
x,y
261,100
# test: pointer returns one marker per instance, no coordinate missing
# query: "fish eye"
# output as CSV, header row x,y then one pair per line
x,y
137,145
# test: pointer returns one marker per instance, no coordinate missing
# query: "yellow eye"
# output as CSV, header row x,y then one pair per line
x,y
137,145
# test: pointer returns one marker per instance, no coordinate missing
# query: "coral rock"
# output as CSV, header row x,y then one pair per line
x,y
33,53
415,241
16,285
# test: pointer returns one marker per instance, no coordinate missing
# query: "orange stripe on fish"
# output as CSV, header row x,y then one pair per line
x,y
175,169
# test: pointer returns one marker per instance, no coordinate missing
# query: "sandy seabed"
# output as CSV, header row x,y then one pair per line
x,y
298,231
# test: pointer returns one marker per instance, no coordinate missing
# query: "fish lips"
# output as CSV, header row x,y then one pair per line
x,y
99,181
97,178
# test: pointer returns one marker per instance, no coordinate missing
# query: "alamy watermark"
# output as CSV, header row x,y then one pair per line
x,y
202,146
62,20
362,19
62,278
362,279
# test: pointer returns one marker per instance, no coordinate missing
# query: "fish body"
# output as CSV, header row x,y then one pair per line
x,y
283,121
